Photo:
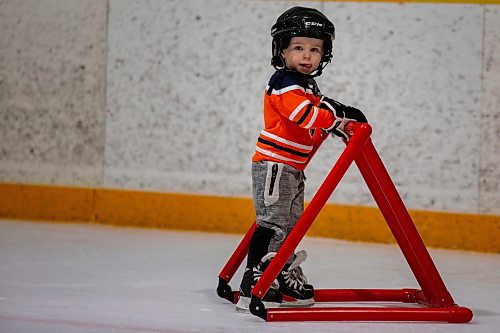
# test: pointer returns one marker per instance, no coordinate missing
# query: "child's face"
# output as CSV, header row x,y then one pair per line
x,y
303,54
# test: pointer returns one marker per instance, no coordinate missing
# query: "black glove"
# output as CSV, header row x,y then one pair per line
x,y
343,114
350,112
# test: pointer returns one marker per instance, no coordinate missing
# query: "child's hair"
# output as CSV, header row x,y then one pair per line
x,y
302,22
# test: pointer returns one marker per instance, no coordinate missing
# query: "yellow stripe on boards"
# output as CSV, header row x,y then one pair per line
x,y
174,211
51,203
437,229
234,215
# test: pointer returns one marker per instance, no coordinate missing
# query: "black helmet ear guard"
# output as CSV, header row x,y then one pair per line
x,y
302,22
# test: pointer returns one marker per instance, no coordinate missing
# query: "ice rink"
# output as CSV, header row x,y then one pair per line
x,y
58,278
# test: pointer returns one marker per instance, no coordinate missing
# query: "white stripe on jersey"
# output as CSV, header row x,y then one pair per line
x,y
289,88
274,155
313,118
298,108
285,141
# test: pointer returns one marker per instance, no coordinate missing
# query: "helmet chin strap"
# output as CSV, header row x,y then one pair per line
x,y
316,73
319,71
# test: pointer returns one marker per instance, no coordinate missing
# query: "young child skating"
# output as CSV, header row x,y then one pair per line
x,y
293,109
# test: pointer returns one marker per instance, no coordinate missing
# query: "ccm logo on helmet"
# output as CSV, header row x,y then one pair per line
x,y
308,24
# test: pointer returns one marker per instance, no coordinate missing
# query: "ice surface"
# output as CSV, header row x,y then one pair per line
x,y
92,278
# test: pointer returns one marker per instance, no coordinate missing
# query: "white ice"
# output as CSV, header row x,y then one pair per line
x,y
58,278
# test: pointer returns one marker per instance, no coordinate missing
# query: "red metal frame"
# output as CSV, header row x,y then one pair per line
x,y
435,300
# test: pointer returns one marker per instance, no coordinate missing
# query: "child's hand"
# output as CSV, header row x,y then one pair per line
x,y
343,115
354,114
350,112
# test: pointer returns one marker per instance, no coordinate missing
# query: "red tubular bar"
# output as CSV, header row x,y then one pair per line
x,y
238,256
454,314
357,141
392,207
366,295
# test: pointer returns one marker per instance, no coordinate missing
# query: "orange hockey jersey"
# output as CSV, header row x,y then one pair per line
x,y
290,113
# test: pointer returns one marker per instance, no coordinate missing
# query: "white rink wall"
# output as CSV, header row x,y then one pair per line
x,y
166,95
52,91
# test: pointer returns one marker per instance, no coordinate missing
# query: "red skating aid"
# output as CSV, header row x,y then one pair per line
x,y
436,303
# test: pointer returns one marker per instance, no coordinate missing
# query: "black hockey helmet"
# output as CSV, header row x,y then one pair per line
x,y
302,22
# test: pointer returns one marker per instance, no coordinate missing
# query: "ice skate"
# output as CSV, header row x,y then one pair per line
x,y
273,297
293,283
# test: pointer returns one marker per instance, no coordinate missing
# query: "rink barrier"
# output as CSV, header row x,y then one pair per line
x,y
436,302
231,215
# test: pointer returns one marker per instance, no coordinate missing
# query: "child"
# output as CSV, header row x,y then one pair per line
x,y
293,109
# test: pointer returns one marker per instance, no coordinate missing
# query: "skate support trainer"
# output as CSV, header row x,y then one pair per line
x,y
434,302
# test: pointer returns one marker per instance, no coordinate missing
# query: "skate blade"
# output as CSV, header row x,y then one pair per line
x,y
300,303
244,303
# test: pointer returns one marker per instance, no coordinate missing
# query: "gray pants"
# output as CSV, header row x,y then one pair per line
x,y
278,197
